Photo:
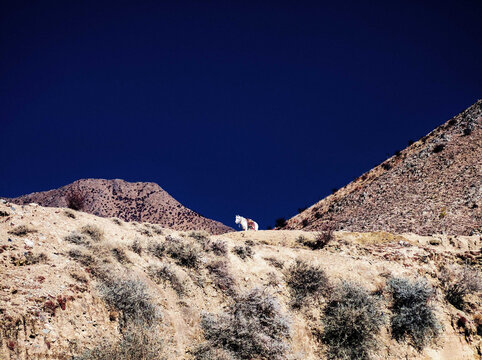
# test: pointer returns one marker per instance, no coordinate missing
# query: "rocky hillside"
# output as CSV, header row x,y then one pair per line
x,y
432,186
77,286
139,201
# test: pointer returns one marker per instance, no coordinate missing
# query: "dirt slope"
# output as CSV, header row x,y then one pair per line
x,y
138,201
52,305
432,186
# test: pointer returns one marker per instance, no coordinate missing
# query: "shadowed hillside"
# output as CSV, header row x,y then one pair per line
x,y
433,186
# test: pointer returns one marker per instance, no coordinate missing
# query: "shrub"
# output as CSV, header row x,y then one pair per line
x,y
218,247
166,273
136,247
243,252
252,327
22,230
305,222
397,153
206,352
412,317
318,215
120,255
32,259
275,262
305,281
457,284
351,322
137,343
386,166
199,236
69,214
334,190
438,148
75,199
222,277
185,253
301,209
280,222
467,131
77,239
321,239
93,231
145,232
131,298
4,213
410,142
117,221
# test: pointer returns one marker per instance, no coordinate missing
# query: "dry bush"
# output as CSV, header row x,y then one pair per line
x,y
136,247
206,352
413,318
77,239
120,255
75,199
137,343
130,297
93,231
222,277
185,253
32,259
4,213
218,247
322,238
22,230
306,282
243,252
457,284
166,273
69,214
200,236
253,327
351,323
145,232
275,262
117,221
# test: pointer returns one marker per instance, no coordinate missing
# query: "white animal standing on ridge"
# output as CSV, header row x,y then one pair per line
x,y
246,224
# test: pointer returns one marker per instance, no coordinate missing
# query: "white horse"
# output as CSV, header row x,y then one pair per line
x,y
246,224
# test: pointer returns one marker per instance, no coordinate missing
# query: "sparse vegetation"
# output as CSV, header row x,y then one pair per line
x,y
222,277
386,166
185,253
253,327
75,199
467,131
457,284
243,252
4,213
117,221
438,148
120,255
413,318
301,209
218,247
130,297
166,273
321,239
138,343
136,247
22,230
275,262
306,282
77,239
93,231
69,214
351,323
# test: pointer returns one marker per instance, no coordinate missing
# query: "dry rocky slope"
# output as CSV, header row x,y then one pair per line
x,y
139,201
432,186
55,266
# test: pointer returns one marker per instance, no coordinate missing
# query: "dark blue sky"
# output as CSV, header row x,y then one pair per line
x,y
255,108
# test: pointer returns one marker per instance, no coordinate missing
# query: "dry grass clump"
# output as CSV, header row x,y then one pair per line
x,y
137,343
413,318
75,199
167,274
457,284
243,252
218,247
199,236
206,352
275,262
32,259
351,323
253,327
306,282
117,221
77,239
320,240
222,277
93,231
4,213
69,214
22,230
130,297
145,232
120,255
136,247
185,253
